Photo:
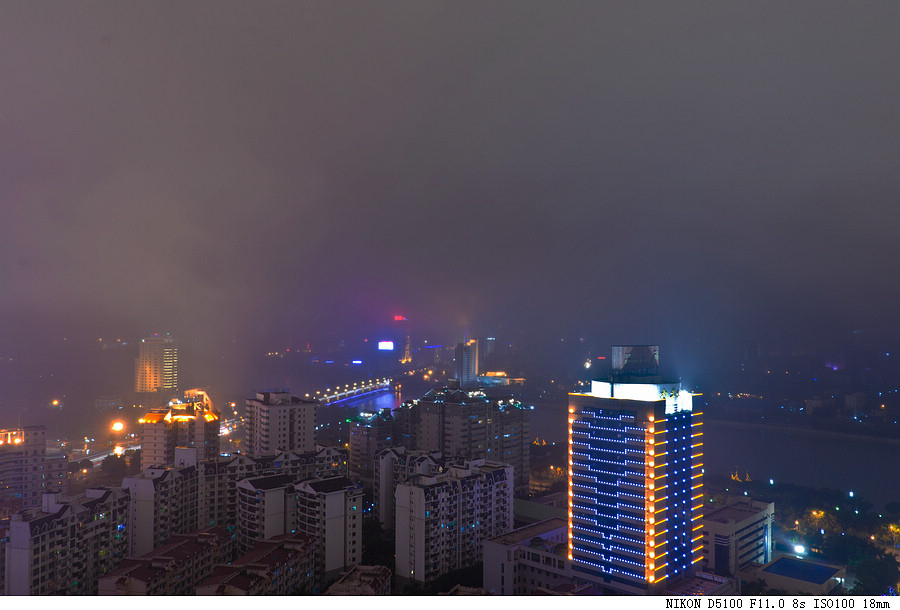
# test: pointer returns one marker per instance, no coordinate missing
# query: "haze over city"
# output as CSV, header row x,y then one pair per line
x,y
719,180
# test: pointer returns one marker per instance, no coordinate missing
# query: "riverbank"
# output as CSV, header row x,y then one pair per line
x,y
800,430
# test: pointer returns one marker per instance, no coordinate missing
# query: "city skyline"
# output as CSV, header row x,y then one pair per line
x,y
457,208
694,172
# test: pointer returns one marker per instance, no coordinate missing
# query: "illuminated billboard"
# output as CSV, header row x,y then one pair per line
x,y
386,346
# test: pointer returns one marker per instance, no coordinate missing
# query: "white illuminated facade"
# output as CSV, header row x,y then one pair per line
x,y
635,478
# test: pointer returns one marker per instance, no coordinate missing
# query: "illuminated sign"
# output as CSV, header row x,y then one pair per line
x,y
676,398
386,346
356,362
399,318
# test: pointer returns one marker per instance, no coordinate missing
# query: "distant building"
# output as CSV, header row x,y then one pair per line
x,y
362,580
156,367
369,434
394,466
26,471
193,422
284,565
278,421
175,568
527,559
469,425
635,477
467,360
442,521
4,541
330,510
737,536
67,545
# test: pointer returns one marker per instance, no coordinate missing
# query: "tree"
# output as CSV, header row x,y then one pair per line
x,y
875,574
114,466
134,462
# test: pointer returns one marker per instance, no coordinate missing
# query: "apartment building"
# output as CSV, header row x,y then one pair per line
x,y
67,545
394,466
284,565
470,425
175,568
267,507
164,502
443,520
278,421
527,559
330,510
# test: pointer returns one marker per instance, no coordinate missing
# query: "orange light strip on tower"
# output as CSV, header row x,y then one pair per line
x,y
569,532
649,499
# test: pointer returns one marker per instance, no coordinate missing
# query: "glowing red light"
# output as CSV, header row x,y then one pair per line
x,y
399,319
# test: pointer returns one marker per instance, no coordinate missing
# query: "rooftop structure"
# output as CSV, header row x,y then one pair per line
x,y
362,580
737,536
527,559
284,565
192,422
172,569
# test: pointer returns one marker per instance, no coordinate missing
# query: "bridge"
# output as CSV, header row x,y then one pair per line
x,y
354,391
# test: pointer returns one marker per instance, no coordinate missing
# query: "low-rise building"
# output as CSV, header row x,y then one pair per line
x,y
175,568
737,536
284,565
527,559
362,580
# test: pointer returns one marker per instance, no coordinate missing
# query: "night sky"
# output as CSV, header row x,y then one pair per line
x,y
672,173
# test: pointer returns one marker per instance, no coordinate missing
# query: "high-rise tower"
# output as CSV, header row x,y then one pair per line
x,y
467,368
279,421
192,422
156,367
635,477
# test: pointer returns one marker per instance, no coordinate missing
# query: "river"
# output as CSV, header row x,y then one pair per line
x,y
868,467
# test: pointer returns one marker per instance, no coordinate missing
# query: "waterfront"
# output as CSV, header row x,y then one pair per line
x,y
803,457
809,458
